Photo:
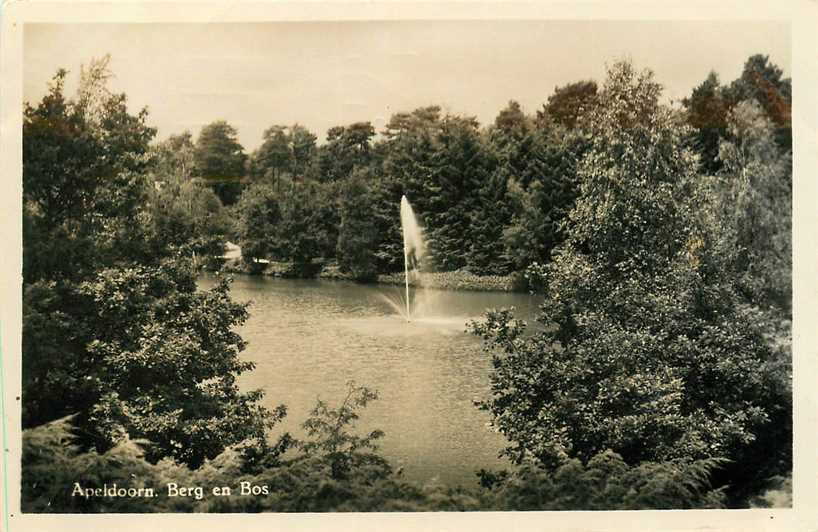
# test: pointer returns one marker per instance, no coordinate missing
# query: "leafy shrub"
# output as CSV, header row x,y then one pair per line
x,y
606,482
338,470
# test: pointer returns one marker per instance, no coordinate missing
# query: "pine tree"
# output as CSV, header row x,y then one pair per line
x,y
358,236
460,167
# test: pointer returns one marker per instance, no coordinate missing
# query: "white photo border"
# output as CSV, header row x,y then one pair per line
x,y
802,15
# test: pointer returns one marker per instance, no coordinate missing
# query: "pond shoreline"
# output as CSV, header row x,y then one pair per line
x,y
454,280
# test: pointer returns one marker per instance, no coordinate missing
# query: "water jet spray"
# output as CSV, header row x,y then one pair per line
x,y
412,242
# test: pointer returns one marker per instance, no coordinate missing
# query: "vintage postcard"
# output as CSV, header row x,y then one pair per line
x,y
373,266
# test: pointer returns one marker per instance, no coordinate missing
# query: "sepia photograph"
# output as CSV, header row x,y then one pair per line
x,y
313,266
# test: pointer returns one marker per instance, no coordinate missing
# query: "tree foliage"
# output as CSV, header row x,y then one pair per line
x,y
258,214
218,153
285,151
303,233
114,325
710,104
331,440
295,221
541,196
220,160
173,158
493,199
756,188
163,362
346,148
68,147
707,108
568,103
188,216
647,350
358,236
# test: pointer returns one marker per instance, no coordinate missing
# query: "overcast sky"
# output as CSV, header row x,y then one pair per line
x,y
334,73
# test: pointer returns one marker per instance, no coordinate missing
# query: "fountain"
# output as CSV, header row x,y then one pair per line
x,y
423,309
413,247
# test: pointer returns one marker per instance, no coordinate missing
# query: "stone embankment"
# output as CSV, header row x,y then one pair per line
x,y
459,280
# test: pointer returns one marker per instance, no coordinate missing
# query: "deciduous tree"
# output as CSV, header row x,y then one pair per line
x,y
120,337
647,350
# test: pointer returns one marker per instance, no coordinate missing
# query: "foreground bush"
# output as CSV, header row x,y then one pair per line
x,y
338,470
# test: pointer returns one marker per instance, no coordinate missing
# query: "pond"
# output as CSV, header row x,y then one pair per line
x,y
309,337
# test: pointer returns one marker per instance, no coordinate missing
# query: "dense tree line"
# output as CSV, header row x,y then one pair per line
x,y
658,237
493,199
